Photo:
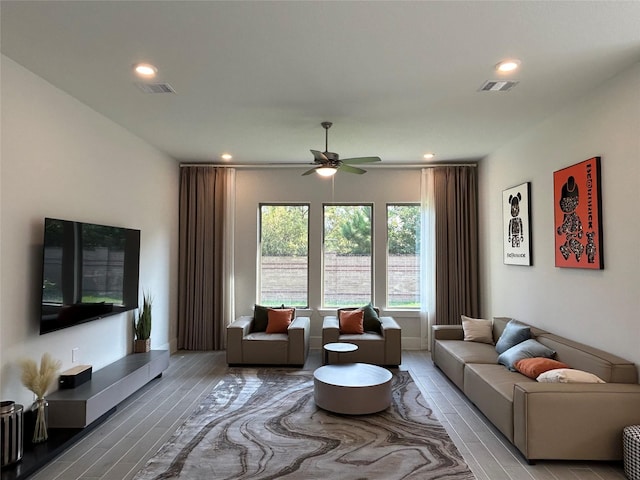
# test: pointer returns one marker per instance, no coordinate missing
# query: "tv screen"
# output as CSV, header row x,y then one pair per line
x,y
89,271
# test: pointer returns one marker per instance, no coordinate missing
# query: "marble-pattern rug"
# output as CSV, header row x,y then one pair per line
x,y
263,424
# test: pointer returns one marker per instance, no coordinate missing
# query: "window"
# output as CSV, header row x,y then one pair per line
x,y
284,255
347,255
403,256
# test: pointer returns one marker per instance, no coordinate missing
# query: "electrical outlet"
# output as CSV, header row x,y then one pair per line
x,y
75,353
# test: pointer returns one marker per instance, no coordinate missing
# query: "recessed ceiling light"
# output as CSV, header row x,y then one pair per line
x,y
226,156
145,70
507,66
428,156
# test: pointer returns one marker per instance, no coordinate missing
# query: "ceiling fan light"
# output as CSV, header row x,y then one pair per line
x,y
326,171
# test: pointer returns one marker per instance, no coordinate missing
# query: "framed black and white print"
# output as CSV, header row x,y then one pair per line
x,y
516,219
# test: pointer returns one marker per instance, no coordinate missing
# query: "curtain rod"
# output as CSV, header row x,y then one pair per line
x,y
298,165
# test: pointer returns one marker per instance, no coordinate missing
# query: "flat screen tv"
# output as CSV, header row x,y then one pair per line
x,y
89,271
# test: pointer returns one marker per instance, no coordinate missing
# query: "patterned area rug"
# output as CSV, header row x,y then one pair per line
x,y
263,424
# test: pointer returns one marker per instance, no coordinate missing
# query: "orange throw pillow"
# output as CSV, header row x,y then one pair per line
x,y
279,320
351,321
532,367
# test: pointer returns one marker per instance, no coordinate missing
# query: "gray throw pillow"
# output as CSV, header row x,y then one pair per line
x,y
514,333
528,349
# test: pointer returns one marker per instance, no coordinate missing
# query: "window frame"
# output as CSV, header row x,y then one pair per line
x,y
259,249
387,283
370,205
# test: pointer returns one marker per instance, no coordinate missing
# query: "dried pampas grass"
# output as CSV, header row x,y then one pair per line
x,y
39,380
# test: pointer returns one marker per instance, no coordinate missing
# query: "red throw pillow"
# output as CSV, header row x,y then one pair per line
x,y
279,320
532,367
351,321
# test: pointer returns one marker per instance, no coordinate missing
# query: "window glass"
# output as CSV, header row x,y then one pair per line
x,y
284,255
347,255
403,256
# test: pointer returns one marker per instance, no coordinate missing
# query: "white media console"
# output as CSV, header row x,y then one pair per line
x,y
79,407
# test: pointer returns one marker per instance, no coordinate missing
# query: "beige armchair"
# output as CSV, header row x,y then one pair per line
x,y
245,346
378,348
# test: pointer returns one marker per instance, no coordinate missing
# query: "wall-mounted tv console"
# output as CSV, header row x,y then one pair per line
x,y
78,407
75,412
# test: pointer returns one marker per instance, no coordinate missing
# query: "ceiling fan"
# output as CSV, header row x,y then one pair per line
x,y
329,162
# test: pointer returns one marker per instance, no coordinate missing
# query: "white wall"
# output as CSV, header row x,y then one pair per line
x,y
379,187
61,159
599,308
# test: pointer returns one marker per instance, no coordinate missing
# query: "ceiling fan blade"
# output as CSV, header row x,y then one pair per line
x,y
319,157
350,169
309,172
361,160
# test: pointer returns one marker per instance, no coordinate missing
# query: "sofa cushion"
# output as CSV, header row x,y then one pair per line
x,y
452,355
266,337
351,321
513,334
527,349
279,320
490,388
568,375
477,330
469,352
533,367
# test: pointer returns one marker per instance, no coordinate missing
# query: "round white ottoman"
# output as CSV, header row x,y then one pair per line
x,y
631,451
352,388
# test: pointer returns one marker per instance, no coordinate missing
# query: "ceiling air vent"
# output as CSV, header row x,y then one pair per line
x,y
155,87
497,86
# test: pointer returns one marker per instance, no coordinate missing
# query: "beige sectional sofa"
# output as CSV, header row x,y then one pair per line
x,y
559,421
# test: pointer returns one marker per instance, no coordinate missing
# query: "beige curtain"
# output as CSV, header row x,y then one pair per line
x,y
205,285
456,225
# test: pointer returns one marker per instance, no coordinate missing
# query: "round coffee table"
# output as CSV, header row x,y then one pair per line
x,y
352,388
338,347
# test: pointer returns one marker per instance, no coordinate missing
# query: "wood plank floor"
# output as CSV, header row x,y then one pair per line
x,y
118,448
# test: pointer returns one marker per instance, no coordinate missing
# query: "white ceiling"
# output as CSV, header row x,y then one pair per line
x,y
255,79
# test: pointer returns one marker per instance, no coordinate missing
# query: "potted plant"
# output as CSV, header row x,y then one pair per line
x,y
142,327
